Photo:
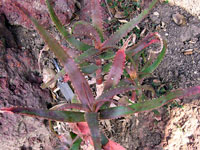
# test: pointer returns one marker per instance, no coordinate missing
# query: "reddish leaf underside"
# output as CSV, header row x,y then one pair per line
x,y
116,70
142,44
117,67
113,146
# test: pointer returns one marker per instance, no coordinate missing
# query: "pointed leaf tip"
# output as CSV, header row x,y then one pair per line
x,y
117,67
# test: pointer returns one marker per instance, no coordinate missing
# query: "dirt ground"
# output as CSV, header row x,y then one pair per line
x,y
176,128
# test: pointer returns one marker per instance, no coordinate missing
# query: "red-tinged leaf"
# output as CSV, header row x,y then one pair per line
x,y
64,116
126,28
191,91
106,95
70,39
79,83
111,145
99,77
155,64
117,67
116,112
96,15
82,28
92,120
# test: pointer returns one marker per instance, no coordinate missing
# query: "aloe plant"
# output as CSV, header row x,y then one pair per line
x,y
95,109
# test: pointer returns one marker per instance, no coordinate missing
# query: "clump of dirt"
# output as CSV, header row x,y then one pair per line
x,y
183,129
178,67
63,8
20,86
193,7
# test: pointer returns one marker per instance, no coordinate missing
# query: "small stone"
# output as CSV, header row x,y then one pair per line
x,y
188,52
156,13
179,19
156,19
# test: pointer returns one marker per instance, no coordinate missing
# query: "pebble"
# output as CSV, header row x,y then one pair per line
x,y
179,19
156,13
188,52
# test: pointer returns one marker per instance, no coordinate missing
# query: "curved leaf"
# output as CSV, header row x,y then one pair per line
x,y
85,69
64,116
152,67
142,44
126,28
116,112
70,39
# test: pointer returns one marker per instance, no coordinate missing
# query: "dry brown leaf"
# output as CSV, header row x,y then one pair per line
x,y
48,74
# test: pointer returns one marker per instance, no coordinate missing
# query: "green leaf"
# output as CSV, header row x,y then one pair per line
x,y
76,43
126,28
116,112
106,67
76,145
152,67
92,120
64,116
89,69
109,54
87,55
